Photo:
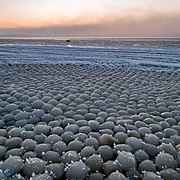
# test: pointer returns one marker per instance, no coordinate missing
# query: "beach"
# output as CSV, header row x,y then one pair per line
x,y
87,121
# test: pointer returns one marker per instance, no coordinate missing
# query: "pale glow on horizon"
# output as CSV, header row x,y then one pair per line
x,y
78,15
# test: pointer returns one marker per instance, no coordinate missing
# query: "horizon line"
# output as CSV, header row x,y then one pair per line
x,y
88,37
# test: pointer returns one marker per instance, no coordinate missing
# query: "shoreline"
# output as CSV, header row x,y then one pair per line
x,y
89,122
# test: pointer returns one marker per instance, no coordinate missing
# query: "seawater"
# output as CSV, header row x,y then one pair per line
x,y
95,51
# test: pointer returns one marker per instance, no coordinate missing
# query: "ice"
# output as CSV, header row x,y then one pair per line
x,y
33,174
134,52
6,171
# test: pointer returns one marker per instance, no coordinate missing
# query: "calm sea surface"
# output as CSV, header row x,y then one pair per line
x,y
107,51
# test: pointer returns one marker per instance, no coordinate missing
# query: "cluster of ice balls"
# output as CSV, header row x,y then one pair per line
x,y
100,122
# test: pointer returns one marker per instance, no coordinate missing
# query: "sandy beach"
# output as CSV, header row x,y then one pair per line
x,y
89,122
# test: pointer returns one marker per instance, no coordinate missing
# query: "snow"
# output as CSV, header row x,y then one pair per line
x,y
101,53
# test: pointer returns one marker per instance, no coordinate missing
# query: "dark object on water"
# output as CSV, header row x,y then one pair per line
x,y
68,40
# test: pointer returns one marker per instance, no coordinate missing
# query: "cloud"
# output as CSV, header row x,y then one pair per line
x,y
147,25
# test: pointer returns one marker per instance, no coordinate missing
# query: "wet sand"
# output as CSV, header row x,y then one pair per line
x,y
89,122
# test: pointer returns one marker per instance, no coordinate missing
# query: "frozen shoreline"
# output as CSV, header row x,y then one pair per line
x,y
109,52
49,113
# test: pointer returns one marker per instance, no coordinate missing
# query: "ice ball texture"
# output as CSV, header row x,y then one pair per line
x,y
126,160
12,165
116,176
95,163
33,166
77,170
164,161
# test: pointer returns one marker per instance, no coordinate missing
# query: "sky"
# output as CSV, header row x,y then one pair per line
x,y
90,18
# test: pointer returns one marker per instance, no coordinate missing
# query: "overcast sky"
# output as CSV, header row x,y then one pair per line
x,y
94,18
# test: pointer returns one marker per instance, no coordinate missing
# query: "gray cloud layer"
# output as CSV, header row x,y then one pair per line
x,y
157,25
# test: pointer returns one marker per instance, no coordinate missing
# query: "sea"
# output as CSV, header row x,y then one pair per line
x,y
151,52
